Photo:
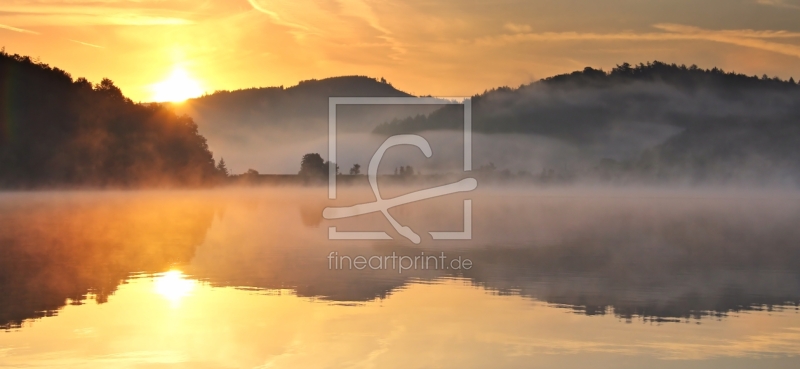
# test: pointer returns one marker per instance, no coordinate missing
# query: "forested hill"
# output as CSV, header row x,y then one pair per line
x,y
723,125
56,131
302,106
266,128
581,105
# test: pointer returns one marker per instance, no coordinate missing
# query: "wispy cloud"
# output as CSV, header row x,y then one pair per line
x,y
90,13
517,28
756,39
343,21
361,10
747,37
15,29
283,20
86,44
779,3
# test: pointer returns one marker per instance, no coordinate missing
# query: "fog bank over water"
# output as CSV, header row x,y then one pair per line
x,y
641,253
531,153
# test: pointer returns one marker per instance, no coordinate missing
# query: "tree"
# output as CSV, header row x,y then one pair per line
x,y
251,172
312,165
355,170
222,168
106,86
327,166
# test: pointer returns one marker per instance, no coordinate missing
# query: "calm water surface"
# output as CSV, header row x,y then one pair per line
x,y
242,279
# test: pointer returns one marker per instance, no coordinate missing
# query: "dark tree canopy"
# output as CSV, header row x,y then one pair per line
x,y
312,165
56,131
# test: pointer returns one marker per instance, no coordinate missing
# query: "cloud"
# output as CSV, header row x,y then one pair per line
x,y
281,20
779,3
335,22
747,38
742,33
362,10
517,28
91,13
87,44
15,29
756,39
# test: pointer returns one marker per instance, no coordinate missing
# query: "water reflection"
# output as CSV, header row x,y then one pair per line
x,y
57,247
173,286
134,276
664,258
667,257
254,264
448,324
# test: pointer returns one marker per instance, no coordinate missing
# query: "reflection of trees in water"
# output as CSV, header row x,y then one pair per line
x,y
310,215
648,285
65,247
681,266
686,262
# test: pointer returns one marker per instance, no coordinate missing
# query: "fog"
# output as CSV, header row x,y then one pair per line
x,y
639,253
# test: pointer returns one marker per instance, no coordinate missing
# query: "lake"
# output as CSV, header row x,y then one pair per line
x,y
248,278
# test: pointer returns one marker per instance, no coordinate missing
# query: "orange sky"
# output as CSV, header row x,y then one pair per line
x,y
446,47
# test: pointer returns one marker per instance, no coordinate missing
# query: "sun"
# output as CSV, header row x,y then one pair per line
x,y
178,87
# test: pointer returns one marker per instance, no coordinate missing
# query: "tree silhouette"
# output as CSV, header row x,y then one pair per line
x,y
58,131
222,168
355,170
327,165
312,165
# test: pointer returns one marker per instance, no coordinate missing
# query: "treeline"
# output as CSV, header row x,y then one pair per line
x,y
582,105
60,131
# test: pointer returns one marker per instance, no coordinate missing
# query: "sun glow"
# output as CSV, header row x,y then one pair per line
x,y
178,87
173,286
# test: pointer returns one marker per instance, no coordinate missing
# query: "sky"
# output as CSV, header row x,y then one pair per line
x,y
441,48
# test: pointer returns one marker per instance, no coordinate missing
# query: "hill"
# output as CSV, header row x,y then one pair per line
x,y
703,123
57,131
262,128
301,107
